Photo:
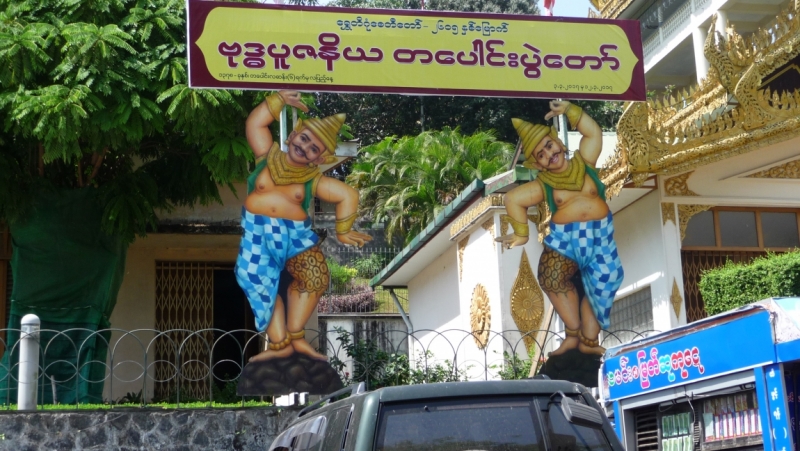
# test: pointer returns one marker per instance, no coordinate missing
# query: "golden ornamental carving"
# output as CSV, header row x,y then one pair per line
x,y
542,220
503,229
462,246
610,9
678,185
474,214
685,213
730,113
788,170
480,316
668,212
527,302
676,298
488,225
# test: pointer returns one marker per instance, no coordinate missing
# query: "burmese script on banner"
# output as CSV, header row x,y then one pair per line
x,y
255,46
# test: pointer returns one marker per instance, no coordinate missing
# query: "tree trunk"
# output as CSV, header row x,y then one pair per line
x,y
68,272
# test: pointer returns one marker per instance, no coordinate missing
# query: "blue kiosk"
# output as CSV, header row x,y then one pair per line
x,y
725,382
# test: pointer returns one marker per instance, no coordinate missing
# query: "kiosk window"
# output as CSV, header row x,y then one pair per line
x,y
731,417
676,432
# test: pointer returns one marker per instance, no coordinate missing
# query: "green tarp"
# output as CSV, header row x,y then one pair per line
x,y
68,272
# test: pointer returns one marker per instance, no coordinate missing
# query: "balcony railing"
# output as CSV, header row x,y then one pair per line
x,y
666,19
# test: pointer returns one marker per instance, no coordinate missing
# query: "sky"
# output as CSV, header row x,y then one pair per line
x,y
569,8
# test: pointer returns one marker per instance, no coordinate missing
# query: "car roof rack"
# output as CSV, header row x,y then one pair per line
x,y
354,389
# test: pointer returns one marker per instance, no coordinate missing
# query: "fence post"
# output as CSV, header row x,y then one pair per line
x,y
28,363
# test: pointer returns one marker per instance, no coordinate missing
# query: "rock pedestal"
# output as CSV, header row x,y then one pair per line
x,y
296,373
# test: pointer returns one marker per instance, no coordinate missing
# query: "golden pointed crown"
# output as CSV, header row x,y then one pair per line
x,y
326,129
531,134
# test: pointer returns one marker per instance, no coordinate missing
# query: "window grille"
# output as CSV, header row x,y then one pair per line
x,y
647,431
630,317
184,305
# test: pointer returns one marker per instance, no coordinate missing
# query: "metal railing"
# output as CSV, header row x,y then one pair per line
x,y
349,291
179,366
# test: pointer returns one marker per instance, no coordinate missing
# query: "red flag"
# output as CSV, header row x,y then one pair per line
x,y
548,7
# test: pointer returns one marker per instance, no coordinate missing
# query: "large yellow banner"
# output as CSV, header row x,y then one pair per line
x,y
254,46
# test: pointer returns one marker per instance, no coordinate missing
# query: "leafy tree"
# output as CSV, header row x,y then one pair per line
x,y
485,6
99,131
606,114
374,117
405,182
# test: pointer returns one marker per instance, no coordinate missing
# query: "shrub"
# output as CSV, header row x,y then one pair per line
x,y
341,275
357,297
369,266
378,368
735,284
514,367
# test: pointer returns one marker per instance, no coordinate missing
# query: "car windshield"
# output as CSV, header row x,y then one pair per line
x,y
490,424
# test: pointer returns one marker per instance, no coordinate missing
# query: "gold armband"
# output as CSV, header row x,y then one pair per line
x,y
275,104
573,113
520,228
344,225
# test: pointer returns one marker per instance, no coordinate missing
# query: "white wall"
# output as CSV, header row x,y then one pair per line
x,y
434,306
481,266
638,232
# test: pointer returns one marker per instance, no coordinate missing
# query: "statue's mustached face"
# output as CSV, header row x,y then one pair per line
x,y
305,147
549,154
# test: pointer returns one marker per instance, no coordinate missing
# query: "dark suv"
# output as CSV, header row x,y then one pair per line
x,y
528,415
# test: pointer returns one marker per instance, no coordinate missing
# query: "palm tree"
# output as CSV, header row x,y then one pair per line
x,y
406,182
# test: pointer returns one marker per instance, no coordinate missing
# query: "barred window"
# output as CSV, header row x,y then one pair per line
x,y
743,229
630,317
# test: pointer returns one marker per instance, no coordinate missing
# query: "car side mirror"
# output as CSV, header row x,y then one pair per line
x,y
580,414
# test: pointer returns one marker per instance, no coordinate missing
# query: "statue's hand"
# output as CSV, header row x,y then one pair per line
x,y
353,238
292,98
511,240
557,108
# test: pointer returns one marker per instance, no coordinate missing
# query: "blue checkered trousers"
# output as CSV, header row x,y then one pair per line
x,y
266,245
591,244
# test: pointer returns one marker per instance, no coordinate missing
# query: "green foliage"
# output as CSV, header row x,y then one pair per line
x,y
514,367
132,398
406,182
374,117
606,114
341,275
370,265
487,6
378,368
735,284
94,94
226,394
382,4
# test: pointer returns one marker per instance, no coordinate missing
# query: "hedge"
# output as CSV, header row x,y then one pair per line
x,y
736,284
